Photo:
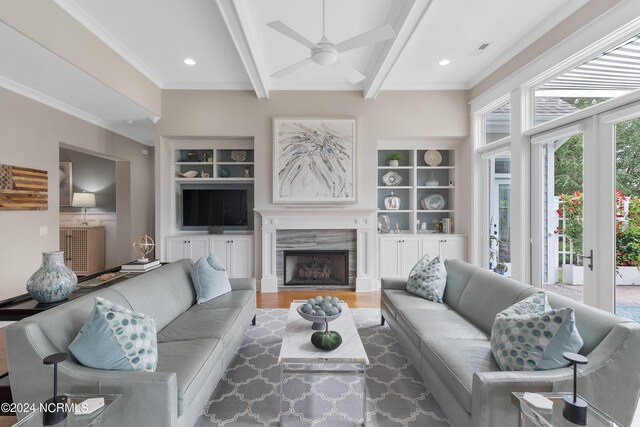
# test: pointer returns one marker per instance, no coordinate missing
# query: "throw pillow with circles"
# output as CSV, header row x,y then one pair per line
x,y
428,279
531,335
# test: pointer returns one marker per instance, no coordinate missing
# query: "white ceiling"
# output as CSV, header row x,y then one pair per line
x,y
235,49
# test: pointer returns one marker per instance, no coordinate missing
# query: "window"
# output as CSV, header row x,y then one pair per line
x,y
609,75
499,214
497,123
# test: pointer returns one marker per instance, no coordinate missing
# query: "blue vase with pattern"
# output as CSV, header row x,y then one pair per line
x,y
53,281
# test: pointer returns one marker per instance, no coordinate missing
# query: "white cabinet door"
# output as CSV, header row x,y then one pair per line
x,y
431,246
389,256
410,254
454,248
220,247
240,256
198,247
176,248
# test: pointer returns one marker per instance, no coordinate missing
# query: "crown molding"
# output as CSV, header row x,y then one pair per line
x,y
425,86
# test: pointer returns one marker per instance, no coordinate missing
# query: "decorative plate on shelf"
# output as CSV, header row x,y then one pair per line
x,y
434,202
391,178
432,157
239,155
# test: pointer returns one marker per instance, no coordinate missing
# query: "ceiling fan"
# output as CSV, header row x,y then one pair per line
x,y
326,53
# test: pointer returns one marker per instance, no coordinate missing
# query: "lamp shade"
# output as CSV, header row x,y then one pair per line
x,y
84,200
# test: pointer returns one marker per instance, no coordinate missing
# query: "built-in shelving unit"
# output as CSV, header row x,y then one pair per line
x,y
419,180
211,164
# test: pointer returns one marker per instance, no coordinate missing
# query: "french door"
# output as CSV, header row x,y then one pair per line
x,y
567,196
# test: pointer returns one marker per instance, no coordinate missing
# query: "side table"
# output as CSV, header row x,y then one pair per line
x,y
108,415
530,416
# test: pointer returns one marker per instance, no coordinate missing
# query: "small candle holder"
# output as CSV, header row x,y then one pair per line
x,y
56,411
575,408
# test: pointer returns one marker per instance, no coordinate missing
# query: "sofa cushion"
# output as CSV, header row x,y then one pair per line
x,y
240,299
456,360
458,275
486,295
192,361
116,338
164,293
421,323
200,324
530,335
428,278
209,279
397,299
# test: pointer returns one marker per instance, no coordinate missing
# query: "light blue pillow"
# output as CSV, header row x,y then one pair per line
x,y
209,279
530,335
116,338
428,279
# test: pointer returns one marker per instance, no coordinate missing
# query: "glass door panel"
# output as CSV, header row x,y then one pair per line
x,y
561,208
500,214
627,219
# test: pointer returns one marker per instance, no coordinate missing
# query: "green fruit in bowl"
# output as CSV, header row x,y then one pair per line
x,y
326,307
311,301
335,301
307,308
321,313
333,311
319,300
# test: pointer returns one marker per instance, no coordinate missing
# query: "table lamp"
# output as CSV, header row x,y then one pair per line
x,y
84,201
575,408
56,405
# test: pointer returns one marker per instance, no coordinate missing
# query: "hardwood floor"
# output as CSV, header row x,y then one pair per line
x,y
282,299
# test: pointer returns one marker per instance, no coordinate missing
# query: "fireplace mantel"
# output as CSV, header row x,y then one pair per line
x,y
361,220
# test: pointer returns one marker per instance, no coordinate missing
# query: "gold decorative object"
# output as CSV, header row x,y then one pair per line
x,y
239,155
143,246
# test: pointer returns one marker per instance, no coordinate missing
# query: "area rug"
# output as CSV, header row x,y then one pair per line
x,y
629,311
248,393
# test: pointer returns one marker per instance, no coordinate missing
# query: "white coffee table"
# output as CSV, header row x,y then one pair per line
x,y
297,349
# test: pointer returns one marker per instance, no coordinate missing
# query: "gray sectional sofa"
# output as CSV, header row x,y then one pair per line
x,y
449,345
195,345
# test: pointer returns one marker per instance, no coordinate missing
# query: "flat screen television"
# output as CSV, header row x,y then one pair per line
x,y
208,208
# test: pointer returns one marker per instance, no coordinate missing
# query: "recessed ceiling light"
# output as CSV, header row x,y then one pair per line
x,y
189,61
444,62
130,122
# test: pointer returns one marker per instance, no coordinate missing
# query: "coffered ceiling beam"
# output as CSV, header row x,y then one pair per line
x,y
245,39
404,24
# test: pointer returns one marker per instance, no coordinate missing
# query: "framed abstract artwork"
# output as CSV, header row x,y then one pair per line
x,y
314,160
66,183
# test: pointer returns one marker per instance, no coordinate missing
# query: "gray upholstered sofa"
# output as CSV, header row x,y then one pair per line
x,y
449,345
195,345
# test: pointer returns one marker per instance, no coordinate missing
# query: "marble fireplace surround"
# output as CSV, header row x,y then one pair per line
x,y
296,218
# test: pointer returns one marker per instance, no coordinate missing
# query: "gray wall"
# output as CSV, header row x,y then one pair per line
x,y
92,174
30,136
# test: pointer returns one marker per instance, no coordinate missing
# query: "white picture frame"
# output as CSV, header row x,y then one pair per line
x,y
314,160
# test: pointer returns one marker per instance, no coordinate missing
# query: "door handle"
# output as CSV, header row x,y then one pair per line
x,y
590,258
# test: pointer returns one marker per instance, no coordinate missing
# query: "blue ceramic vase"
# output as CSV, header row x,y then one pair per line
x,y
53,281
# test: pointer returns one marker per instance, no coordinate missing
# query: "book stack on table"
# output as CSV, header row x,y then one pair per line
x,y
140,267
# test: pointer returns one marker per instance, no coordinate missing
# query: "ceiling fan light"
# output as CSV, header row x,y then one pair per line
x,y
324,57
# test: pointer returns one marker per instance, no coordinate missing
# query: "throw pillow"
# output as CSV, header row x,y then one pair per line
x,y
428,279
209,279
530,335
116,338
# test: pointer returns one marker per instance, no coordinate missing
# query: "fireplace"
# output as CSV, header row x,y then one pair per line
x,y
316,268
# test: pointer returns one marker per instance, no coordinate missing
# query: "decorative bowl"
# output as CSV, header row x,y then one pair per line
x,y
318,321
433,202
432,157
391,178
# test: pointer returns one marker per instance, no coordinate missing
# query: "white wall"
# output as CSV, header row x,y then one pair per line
x,y
393,115
30,136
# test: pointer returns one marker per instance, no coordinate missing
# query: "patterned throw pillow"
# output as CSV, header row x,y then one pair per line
x,y
530,335
116,338
428,279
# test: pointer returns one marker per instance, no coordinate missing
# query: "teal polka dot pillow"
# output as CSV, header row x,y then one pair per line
x,y
428,279
530,335
116,338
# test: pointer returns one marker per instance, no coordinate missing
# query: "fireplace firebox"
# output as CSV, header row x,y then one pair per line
x,y
316,268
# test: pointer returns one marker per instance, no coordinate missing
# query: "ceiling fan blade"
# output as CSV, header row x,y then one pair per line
x,y
283,28
350,73
370,37
291,68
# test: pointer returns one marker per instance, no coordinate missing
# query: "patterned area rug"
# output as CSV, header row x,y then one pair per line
x,y
248,393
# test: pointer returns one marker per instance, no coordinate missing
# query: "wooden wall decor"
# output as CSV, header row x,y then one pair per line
x,y
23,189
